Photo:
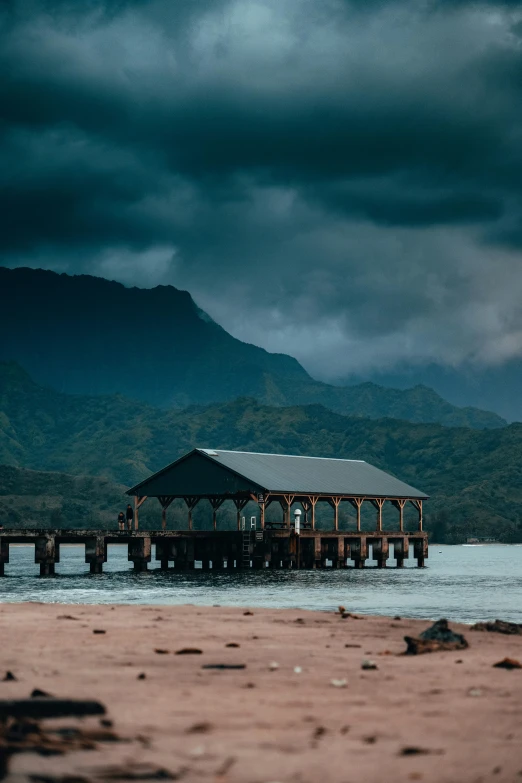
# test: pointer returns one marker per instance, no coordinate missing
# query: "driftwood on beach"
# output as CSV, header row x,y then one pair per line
x,y
48,707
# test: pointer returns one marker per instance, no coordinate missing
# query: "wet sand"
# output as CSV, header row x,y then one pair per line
x,y
446,716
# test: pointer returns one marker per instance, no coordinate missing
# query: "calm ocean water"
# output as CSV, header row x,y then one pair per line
x,y
460,583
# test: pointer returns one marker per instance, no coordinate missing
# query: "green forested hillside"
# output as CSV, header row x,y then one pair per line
x,y
32,498
87,335
474,477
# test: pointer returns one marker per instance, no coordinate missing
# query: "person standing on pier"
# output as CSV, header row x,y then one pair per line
x,y
121,521
130,517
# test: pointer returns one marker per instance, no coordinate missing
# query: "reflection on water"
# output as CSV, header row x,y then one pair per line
x,y
460,583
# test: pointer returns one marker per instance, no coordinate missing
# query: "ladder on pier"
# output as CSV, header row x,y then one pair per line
x,y
247,537
245,554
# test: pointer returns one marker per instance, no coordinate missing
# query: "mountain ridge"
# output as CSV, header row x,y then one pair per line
x,y
87,335
473,477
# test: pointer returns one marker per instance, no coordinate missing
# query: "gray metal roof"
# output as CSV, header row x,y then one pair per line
x,y
313,475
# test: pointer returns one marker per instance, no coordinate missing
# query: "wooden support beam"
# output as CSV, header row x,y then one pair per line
x,y
399,504
317,551
334,501
215,503
138,502
262,514
418,505
313,502
341,553
378,503
165,501
357,503
240,504
263,501
306,508
191,503
289,499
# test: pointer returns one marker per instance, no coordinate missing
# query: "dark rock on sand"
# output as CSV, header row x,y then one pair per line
x,y
499,626
508,663
200,728
438,637
189,651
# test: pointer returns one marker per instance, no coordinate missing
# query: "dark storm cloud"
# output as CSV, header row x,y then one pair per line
x,y
334,179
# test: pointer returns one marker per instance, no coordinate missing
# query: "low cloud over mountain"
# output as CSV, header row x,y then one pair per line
x,y
338,180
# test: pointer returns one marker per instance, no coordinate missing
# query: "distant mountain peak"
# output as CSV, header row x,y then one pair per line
x,y
86,335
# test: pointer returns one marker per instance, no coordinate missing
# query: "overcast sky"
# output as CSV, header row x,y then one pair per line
x,y
339,180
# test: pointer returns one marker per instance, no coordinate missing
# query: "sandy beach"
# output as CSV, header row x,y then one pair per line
x,y
445,716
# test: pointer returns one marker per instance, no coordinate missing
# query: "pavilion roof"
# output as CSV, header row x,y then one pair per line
x,y
292,474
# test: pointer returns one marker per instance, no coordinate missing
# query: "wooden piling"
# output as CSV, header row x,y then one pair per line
x,y
4,554
140,553
46,554
96,553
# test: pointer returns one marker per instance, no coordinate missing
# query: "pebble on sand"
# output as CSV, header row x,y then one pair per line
x,y
39,694
200,728
188,651
508,663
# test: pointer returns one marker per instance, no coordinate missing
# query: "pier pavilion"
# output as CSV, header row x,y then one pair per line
x,y
242,476
216,476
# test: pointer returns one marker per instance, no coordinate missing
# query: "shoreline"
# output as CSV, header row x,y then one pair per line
x,y
437,717
199,607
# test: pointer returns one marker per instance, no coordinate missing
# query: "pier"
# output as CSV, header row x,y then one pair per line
x,y
296,484
216,550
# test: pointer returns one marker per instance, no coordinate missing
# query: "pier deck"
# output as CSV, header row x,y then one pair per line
x,y
259,549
